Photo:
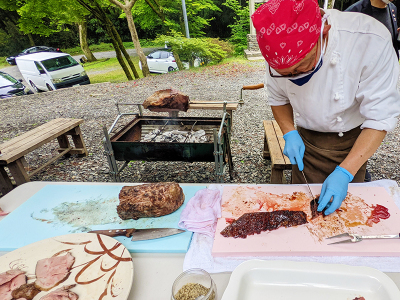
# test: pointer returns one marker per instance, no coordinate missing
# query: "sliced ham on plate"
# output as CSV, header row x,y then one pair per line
x,y
52,271
9,281
63,293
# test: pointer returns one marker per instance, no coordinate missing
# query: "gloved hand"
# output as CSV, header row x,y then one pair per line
x,y
294,148
335,186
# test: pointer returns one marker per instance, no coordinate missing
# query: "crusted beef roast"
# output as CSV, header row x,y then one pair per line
x,y
251,223
149,200
167,100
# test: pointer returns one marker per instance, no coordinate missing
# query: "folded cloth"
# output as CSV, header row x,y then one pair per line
x,y
202,212
199,253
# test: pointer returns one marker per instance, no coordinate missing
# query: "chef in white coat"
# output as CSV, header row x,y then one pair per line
x,y
335,74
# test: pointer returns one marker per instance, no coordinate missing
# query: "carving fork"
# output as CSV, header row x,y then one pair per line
x,y
354,238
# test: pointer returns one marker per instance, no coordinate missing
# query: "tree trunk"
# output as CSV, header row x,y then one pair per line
x,y
135,40
122,47
31,41
83,41
118,52
178,60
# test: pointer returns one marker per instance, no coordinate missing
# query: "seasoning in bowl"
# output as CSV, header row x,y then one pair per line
x,y
191,291
194,284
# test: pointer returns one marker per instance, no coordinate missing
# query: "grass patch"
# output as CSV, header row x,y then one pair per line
x,y
109,70
3,62
108,47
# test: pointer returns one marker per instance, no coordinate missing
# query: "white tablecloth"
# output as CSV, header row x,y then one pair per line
x,y
199,253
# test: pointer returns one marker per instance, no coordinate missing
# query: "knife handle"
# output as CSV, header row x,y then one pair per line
x,y
115,232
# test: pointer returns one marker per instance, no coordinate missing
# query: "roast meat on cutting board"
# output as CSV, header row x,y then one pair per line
x,y
149,200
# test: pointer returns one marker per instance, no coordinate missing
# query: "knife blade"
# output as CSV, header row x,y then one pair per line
x,y
140,234
309,189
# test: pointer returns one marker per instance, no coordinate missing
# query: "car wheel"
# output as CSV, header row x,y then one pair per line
x,y
171,69
34,87
49,87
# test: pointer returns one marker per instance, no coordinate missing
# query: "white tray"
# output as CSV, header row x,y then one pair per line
x,y
288,280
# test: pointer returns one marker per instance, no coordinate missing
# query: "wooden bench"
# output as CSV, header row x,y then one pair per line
x,y
13,151
273,149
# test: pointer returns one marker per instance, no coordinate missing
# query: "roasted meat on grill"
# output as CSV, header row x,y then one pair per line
x,y
167,100
251,223
149,200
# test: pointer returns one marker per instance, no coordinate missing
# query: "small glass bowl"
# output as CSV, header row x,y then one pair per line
x,y
194,282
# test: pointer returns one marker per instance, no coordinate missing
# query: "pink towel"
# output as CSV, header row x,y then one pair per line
x,y
202,212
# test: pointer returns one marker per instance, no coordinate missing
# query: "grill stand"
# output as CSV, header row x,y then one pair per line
x,y
218,153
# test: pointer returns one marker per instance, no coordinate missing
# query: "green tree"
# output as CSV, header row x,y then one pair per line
x,y
127,9
167,15
207,50
241,27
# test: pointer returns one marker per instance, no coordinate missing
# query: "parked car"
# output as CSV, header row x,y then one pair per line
x,y
9,86
11,59
51,71
162,61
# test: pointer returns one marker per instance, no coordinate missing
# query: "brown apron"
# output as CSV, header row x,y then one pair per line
x,y
324,151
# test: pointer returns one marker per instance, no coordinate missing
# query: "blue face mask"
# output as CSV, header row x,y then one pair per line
x,y
303,80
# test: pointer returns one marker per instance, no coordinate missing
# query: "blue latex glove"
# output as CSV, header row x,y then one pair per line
x,y
335,186
294,148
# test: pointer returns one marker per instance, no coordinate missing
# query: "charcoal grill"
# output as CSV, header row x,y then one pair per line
x,y
126,144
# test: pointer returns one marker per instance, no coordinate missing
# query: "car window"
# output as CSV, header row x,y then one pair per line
x,y
38,66
58,63
6,79
165,54
155,54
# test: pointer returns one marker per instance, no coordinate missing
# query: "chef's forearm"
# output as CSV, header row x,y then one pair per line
x,y
283,115
364,147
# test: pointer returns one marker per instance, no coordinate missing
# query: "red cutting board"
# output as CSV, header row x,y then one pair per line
x,y
302,240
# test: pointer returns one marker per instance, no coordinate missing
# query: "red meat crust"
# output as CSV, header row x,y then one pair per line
x,y
149,200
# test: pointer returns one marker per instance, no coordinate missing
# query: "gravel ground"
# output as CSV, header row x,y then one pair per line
x,y
96,105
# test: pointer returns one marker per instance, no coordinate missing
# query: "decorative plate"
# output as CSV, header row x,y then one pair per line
x,y
103,267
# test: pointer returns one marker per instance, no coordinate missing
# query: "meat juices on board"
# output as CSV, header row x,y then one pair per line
x,y
354,211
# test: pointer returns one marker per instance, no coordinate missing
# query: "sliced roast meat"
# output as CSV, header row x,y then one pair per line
x,y
149,200
63,293
251,223
25,291
10,281
167,100
52,271
8,275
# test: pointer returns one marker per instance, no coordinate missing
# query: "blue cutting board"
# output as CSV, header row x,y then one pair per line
x,y
63,209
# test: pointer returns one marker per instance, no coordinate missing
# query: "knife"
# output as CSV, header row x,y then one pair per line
x,y
309,189
140,234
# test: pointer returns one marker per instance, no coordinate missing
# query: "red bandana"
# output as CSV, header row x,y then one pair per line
x,y
287,30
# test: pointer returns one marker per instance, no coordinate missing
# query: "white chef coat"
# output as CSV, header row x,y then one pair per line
x,y
356,84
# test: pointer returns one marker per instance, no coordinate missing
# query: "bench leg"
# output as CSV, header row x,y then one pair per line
x,y
277,176
266,149
78,141
64,144
5,182
17,170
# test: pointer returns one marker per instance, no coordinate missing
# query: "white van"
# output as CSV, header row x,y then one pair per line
x,y
46,71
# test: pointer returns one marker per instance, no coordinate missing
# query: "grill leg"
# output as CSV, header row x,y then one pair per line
x,y
110,157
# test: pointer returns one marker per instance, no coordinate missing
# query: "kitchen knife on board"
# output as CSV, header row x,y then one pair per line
x,y
140,234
